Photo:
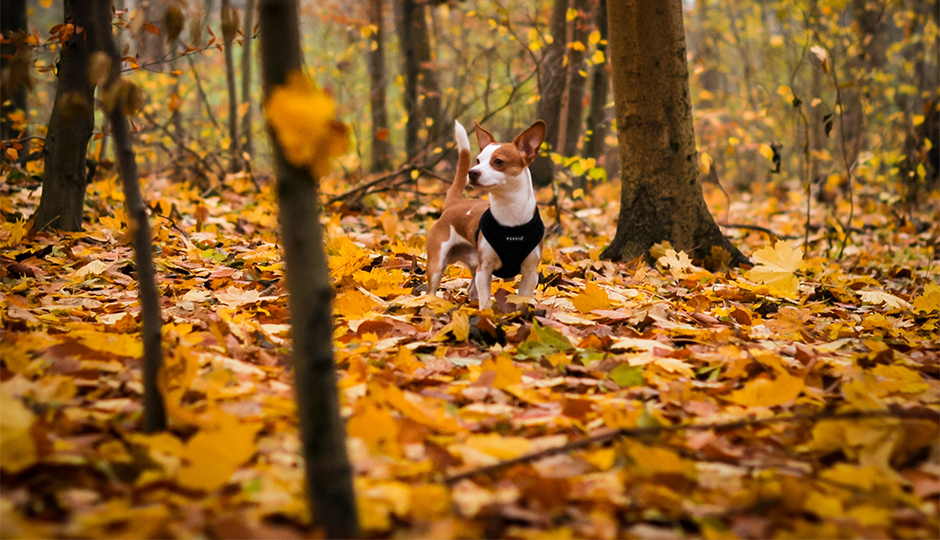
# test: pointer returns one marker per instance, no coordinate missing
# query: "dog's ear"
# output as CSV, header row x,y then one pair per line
x,y
529,141
484,137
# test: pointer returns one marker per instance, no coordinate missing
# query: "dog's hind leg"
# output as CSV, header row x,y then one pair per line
x,y
472,288
530,273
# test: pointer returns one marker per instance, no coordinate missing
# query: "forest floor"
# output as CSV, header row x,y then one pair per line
x,y
431,387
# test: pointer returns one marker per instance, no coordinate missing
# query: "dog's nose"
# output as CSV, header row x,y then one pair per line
x,y
474,176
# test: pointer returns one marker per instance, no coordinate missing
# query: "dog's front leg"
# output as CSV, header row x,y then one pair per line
x,y
530,272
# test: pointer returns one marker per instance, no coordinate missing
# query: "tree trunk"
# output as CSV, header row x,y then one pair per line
x,y
13,88
551,88
70,128
229,29
571,115
328,471
154,415
428,88
706,53
153,46
661,198
405,21
381,145
247,41
600,86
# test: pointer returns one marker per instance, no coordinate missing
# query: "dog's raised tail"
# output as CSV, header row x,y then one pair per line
x,y
455,192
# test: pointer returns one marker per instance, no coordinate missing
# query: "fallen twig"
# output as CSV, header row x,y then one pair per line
x,y
718,426
764,230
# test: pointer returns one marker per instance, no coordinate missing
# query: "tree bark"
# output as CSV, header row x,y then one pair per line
x,y
405,17
154,414
13,89
428,87
153,46
381,145
229,29
328,471
661,198
551,88
570,117
706,53
600,86
247,49
70,128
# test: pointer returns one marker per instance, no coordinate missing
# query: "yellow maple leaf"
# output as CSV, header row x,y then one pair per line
x,y
506,373
430,501
591,298
764,392
677,263
302,118
17,448
215,452
882,297
375,426
929,301
499,446
112,344
653,460
353,304
776,268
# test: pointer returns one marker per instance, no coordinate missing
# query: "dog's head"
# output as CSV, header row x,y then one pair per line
x,y
501,166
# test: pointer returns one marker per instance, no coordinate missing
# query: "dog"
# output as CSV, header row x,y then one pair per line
x,y
501,237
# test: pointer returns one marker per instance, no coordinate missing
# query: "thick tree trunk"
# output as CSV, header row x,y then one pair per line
x,y
247,41
600,86
381,145
406,13
328,471
154,415
70,128
661,197
13,88
229,29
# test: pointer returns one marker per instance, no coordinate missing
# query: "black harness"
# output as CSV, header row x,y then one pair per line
x,y
512,244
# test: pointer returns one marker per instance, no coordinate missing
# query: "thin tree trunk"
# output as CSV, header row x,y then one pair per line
x,y
570,121
229,29
706,52
154,415
153,46
429,89
551,87
70,128
328,471
15,68
176,117
600,86
661,198
552,74
405,23
381,145
246,76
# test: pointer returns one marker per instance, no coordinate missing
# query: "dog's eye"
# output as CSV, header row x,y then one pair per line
x,y
478,161
497,162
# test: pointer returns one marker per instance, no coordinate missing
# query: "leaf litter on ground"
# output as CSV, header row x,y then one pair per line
x,y
432,387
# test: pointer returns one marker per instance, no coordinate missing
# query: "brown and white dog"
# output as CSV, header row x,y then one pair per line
x,y
501,237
